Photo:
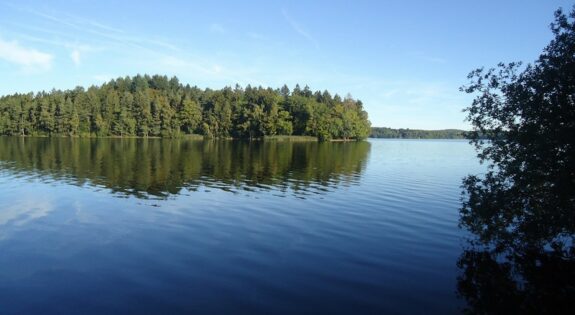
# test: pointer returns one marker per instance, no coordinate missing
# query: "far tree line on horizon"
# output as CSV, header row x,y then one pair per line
x,y
158,106
401,133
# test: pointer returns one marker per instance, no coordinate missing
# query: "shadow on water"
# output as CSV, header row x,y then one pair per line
x,y
521,213
520,258
159,168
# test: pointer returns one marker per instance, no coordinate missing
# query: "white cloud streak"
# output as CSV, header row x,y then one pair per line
x,y
112,35
256,36
28,58
75,55
299,29
217,28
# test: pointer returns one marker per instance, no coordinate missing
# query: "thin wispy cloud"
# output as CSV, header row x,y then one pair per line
x,y
257,36
75,55
110,33
145,53
69,41
175,62
27,58
296,26
202,67
77,50
217,68
190,66
217,28
423,56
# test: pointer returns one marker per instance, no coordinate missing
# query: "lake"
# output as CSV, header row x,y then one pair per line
x,y
134,226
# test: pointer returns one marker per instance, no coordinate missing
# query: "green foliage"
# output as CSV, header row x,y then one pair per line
x,y
383,132
522,210
155,106
528,113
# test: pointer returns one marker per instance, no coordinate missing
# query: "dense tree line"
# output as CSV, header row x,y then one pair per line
x,y
157,106
383,132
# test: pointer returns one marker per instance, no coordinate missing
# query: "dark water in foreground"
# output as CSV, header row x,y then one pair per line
x,y
179,227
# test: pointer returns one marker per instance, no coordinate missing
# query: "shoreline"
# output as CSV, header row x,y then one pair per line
x,y
282,138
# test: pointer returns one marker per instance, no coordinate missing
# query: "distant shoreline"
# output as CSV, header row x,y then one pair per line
x,y
401,133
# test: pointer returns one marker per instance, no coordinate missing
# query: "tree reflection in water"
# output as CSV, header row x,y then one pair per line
x,y
521,258
158,168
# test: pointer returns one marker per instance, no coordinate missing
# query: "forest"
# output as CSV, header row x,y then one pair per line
x,y
383,132
158,106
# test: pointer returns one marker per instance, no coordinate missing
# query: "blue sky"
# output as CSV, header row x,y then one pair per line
x,y
404,59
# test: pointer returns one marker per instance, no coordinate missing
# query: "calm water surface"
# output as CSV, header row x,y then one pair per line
x,y
132,226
